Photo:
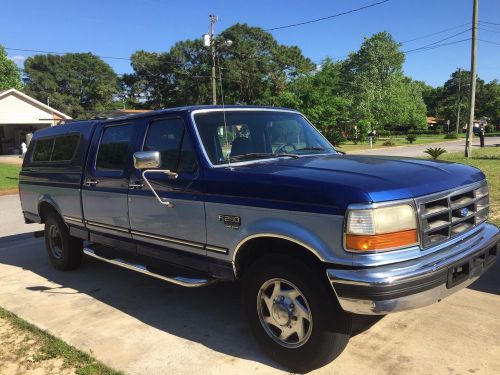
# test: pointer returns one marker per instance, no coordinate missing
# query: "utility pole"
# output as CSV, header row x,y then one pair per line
x,y
213,20
459,98
472,97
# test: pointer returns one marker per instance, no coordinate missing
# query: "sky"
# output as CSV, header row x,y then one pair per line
x,y
120,27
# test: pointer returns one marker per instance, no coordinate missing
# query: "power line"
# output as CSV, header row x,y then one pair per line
x,y
490,31
491,23
489,41
327,17
434,46
436,33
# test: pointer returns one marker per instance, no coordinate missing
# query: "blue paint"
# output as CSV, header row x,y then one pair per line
x,y
320,183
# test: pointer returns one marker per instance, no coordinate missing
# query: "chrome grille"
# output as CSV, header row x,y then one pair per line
x,y
445,215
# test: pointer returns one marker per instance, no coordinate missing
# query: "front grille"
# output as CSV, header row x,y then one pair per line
x,y
445,215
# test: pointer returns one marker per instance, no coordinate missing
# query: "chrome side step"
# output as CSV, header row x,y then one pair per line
x,y
178,280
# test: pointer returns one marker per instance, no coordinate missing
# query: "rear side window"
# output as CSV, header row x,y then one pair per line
x,y
113,149
170,139
56,149
65,147
43,149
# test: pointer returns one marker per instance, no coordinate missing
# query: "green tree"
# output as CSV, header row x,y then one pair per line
x,y
9,72
255,69
490,106
79,84
381,95
321,96
444,101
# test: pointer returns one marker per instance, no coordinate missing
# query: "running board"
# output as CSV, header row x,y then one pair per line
x,y
178,280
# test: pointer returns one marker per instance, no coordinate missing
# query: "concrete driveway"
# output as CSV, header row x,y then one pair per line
x,y
418,150
145,326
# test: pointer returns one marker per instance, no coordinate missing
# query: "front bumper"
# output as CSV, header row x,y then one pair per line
x,y
418,282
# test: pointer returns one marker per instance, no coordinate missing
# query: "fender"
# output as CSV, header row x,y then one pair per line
x,y
46,198
287,230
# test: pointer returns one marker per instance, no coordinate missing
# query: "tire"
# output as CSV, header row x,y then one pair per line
x,y
65,252
322,339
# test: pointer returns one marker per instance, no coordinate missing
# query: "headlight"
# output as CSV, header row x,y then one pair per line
x,y
381,229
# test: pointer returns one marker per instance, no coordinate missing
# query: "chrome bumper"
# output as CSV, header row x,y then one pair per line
x,y
418,282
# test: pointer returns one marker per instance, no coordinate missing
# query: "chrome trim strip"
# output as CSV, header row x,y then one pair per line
x,y
272,235
178,280
200,142
72,218
168,239
413,271
217,249
107,226
412,301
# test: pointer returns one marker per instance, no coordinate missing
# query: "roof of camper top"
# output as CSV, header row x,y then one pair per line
x,y
86,125
192,108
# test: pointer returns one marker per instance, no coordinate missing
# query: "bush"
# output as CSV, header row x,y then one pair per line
x,y
435,153
333,134
411,138
489,128
451,136
388,143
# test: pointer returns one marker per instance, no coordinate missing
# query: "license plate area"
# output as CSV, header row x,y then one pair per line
x,y
472,267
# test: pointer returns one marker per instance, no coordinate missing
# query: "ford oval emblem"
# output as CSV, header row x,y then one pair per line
x,y
464,212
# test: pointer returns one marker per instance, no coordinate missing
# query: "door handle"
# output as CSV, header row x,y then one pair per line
x,y
136,185
91,182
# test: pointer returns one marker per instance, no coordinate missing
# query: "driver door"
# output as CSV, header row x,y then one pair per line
x,y
169,232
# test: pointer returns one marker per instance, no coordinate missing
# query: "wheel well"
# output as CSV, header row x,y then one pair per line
x,y
44,209
256,248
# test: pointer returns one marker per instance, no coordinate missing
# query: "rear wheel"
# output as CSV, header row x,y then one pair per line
x,y
65,252
293,315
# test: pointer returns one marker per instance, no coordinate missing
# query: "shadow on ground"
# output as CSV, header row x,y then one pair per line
x,y
211,316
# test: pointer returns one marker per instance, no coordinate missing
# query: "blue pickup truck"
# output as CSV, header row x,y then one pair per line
x,y
205,194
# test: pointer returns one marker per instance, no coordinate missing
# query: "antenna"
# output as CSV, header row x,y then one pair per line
x,y
223,108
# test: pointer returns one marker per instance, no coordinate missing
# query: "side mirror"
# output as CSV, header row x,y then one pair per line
x,y
147,159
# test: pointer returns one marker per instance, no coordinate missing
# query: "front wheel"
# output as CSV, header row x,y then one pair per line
x,y
292,314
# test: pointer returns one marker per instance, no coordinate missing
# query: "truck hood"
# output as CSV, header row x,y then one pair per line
x,y
340,180
388,178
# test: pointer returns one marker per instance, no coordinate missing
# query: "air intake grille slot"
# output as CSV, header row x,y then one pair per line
x,y
444,216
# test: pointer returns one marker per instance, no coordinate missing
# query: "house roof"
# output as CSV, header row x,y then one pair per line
x,y
33,101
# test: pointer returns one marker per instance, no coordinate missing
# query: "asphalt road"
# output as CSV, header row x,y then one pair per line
x,y
418,150
145,326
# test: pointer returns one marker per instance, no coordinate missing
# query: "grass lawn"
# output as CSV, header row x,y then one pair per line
x,y
488,160
29,349
398,140
9,176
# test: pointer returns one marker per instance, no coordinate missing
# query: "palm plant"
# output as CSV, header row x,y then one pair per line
x,y
435,153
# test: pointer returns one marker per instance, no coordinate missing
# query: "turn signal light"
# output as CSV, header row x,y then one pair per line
x,y
386,241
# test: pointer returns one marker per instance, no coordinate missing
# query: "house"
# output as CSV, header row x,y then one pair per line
x,y
432,122
20,116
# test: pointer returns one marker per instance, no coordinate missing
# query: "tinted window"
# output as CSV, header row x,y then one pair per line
x,y
262,133
169,138
113,149
187,162
65,147
43,149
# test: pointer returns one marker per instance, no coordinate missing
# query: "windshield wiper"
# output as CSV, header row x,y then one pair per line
x,y
311,149
259,155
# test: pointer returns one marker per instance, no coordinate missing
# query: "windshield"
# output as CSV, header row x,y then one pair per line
x,y
248,135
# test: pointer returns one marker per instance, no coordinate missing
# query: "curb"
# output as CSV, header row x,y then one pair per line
x,y
9,192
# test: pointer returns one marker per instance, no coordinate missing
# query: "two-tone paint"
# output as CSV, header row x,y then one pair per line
x,y
300,200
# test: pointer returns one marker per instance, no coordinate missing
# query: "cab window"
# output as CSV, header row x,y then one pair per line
x,y
169,137
113,149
